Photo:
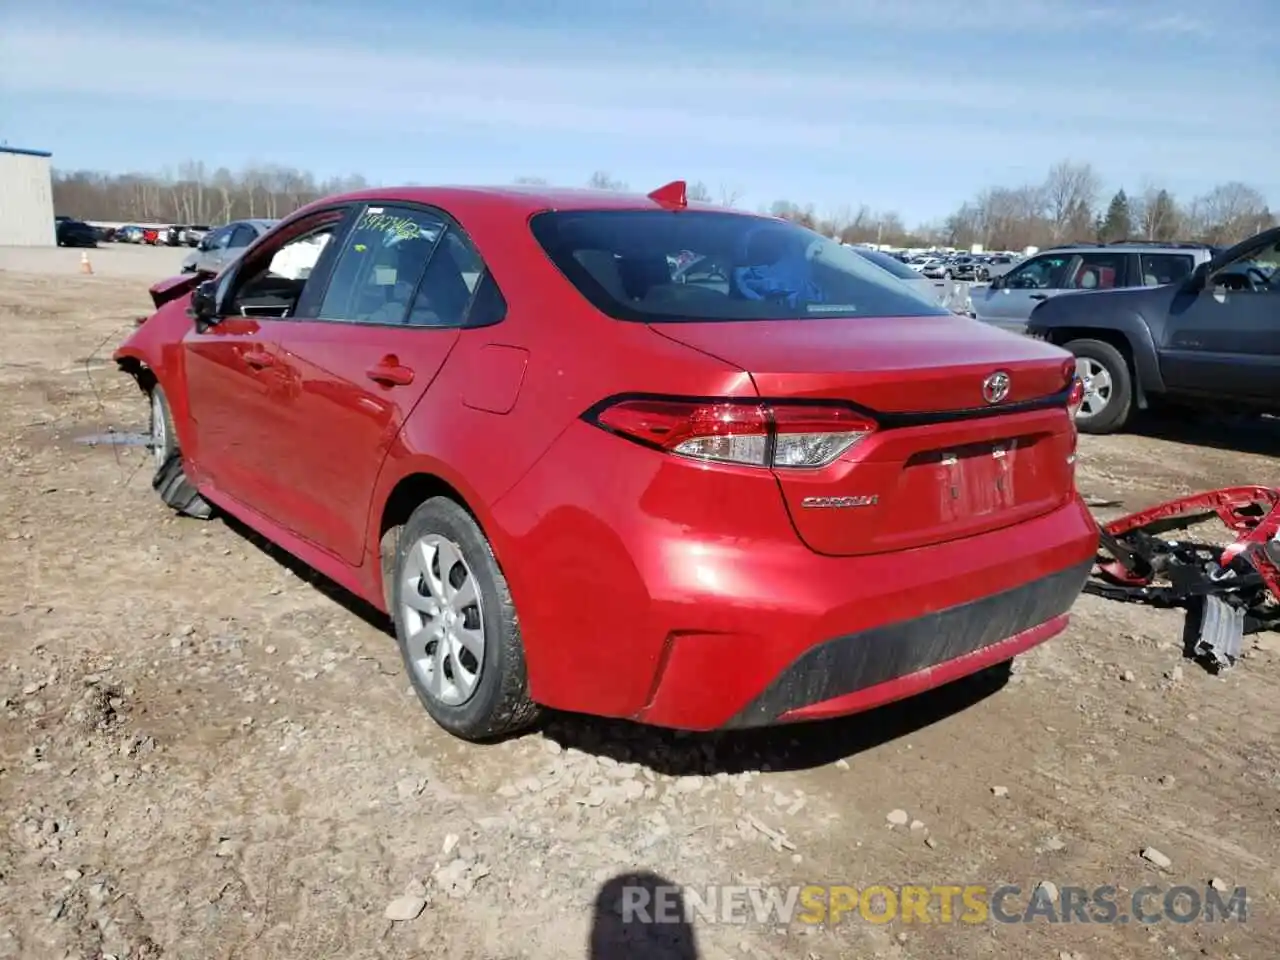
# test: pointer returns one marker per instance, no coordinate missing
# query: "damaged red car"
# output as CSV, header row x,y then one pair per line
x,y
623,455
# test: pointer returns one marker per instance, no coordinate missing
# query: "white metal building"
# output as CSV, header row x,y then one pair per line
x,y
26,198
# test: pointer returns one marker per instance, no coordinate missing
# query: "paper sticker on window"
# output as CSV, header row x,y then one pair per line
x,y
384,276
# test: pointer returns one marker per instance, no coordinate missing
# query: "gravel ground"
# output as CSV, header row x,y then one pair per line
x,y
205,752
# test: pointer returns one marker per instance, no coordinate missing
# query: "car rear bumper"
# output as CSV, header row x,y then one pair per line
x,y
645,591
859,671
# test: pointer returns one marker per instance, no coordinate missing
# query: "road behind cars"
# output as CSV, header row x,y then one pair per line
x,y
202,747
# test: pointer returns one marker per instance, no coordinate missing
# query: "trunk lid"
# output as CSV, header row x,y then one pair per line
x,y
945,463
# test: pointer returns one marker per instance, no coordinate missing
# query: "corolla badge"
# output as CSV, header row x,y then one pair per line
x,y
996,387
838,503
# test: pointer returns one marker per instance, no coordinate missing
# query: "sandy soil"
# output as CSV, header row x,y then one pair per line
x,y
204,754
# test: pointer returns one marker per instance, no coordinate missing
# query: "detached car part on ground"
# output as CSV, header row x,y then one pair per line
x,y
1234,591
796,491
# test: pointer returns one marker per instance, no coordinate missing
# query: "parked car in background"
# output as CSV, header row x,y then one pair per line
x,y
221,246
964,268
576,482
925,287
71,232
151,236
997,265
128,234
193,234
1207,338
1007,301
171,236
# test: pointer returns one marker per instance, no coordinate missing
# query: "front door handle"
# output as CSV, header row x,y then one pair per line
x,y
390,373
1039,296
259,359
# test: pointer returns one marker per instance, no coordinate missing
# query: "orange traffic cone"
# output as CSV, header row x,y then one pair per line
x,y
85,265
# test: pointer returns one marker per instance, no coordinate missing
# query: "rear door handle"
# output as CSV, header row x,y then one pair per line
x,y
259,359
389,373
1039,296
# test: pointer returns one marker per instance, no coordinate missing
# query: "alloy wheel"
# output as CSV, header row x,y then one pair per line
x,y
1098,387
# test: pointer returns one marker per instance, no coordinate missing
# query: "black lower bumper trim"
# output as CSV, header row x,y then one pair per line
x,y
856,661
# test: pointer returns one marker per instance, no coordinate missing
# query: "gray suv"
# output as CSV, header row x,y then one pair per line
x,y
1007,301
219,247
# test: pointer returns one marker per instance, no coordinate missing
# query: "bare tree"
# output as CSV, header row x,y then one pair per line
x,y
531,181
600,180
729,195
698,191
1156,214
1061,208
1070,192
1229,212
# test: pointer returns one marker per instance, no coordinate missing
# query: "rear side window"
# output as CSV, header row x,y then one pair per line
x,y
1096,271
1161,268
655,266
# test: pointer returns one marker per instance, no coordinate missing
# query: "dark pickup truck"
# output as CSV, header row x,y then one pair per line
x,y
1211,341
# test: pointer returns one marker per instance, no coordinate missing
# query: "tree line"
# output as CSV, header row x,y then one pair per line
x,y
1068,206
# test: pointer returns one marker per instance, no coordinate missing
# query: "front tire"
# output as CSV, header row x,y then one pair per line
x,y
1108,401
456,625
170,480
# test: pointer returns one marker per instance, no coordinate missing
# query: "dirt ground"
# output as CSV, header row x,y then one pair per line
x,y
204,754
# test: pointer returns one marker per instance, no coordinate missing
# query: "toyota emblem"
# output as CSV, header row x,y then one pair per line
x,y
996,387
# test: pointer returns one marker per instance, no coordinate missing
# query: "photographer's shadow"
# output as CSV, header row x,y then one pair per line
x,y
641,916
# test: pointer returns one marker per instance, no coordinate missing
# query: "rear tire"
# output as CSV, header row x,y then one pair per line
x,y
170,480
456,626
1108,405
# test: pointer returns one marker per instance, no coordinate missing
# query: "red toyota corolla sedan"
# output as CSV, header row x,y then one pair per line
x,y
624,455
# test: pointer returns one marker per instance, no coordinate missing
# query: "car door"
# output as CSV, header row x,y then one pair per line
x,y
1009,302
403,286
237,387
1222,339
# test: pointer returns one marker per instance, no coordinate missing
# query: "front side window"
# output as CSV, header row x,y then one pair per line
x,y
242,236
1257,269
218,239
382,260
1038,273
656,266
271,285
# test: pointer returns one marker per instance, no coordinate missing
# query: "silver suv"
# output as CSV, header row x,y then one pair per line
x,y
1007,301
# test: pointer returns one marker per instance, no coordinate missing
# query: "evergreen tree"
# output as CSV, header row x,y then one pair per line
x,y
1118,223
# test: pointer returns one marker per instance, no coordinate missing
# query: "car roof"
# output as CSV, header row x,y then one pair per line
x,y
521,201
1132,246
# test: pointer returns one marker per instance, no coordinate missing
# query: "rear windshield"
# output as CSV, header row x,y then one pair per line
x,y
693,265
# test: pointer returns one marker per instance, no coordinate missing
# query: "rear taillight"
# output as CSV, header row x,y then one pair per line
x,y
755,433
1075,398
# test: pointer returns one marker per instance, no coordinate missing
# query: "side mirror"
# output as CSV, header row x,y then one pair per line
x,y
996,283
204,304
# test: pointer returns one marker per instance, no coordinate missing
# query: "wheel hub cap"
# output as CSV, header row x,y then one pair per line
x,y
443,620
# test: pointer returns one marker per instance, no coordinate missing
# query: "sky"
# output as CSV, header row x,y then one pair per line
x,y
912,106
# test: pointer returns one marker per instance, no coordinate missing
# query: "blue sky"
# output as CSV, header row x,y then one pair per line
x,y
911,106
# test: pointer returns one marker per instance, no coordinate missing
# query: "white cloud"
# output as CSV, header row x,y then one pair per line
x,y
1131,119
810,107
